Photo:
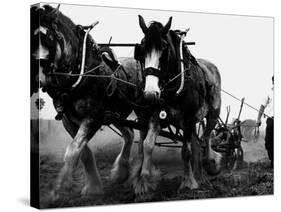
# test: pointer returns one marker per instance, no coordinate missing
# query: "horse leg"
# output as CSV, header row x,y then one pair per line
x,y
196,160
87,159
93,184
146,182
120,170
189,180
212,162
78,147
138,160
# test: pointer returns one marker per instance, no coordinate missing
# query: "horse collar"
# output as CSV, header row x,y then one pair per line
x,y
83,55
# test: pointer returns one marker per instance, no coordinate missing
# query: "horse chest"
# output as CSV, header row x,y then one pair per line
x,y
85,107
177,116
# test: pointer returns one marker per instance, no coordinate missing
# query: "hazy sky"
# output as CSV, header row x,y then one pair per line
x,y
240,46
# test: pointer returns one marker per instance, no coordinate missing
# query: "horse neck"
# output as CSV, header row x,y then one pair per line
x,y
97,67
92,58
174,54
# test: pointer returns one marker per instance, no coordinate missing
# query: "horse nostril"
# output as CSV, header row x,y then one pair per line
x,y
157,94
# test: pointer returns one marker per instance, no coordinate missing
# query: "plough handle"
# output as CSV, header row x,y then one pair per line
x,y
227,116
241,106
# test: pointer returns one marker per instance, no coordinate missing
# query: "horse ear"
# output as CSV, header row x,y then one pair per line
x,y
142,24
168,26
55,12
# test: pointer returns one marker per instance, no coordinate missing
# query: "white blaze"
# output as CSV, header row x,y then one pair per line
x,y
152,59
151,81
41,52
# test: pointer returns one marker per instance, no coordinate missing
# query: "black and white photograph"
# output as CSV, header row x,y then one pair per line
x,y
143,105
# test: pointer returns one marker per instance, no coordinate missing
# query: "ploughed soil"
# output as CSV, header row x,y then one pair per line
x,y
255,177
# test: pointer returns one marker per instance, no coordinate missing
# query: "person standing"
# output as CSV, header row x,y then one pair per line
x,y
267,109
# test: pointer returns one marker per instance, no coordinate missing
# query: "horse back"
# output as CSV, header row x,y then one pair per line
x,y
132,69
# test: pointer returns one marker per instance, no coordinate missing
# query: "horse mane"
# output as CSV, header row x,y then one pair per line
x,y
57,18
63,23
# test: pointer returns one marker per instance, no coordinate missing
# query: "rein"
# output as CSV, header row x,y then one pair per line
x,y
112,76
87,74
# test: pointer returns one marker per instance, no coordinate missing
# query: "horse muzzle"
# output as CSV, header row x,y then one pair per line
x,y
152,96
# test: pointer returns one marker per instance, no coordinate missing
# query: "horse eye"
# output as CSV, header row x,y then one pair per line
x,y
164,44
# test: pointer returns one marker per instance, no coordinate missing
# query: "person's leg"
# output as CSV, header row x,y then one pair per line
x,y
269,139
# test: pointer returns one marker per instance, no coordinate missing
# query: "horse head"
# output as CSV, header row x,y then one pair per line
x,y
54,46
158,56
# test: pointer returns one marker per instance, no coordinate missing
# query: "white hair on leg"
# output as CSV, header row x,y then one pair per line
x,y
120,170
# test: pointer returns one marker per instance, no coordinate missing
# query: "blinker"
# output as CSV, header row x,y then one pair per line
x,y
138,54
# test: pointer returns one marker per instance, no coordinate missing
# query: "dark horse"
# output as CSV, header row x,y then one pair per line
x,y
199,98
88,102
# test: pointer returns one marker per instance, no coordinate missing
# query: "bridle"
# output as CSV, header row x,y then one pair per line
x,y
155,72
152,71
52,37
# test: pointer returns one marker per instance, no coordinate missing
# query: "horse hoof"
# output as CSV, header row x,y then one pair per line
x,y
144,197
135,169
120,173
211,167
202,179
90,190
143,186
188,183
54,195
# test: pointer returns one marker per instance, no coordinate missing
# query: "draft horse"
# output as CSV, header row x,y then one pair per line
x,y
56,50
199,97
